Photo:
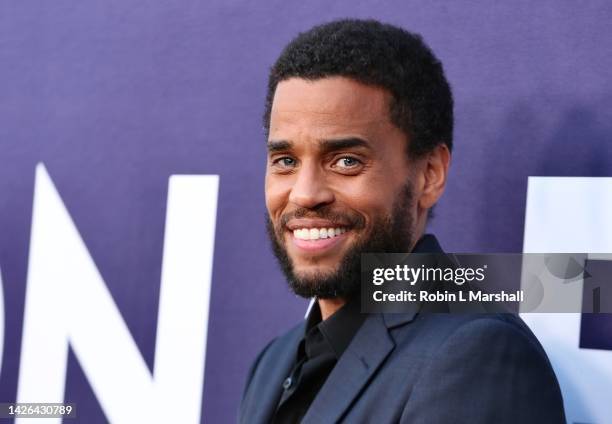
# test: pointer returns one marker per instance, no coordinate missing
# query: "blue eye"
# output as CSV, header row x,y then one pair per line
x,y
284,162
347,162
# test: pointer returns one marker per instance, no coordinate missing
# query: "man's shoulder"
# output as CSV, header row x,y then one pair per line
x,y
451,322
431,332
498,351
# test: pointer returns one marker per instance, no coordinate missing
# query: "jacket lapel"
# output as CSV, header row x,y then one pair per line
x,y
366,353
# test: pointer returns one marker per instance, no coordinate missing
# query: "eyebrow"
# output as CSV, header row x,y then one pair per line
x,y
343,143
326,145
278,146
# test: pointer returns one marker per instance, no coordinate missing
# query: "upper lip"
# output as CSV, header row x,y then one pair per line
x,y
295,224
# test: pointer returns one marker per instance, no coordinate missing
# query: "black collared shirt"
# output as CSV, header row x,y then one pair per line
x,y
323,344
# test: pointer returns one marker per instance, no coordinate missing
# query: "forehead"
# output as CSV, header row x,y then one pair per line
x,y
328,106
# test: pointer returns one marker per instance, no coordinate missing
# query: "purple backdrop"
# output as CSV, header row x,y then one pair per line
x,y
116,96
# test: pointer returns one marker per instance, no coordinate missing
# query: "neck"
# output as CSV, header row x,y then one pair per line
x,y
329,306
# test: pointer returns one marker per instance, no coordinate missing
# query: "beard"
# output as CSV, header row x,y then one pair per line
x,y
388,234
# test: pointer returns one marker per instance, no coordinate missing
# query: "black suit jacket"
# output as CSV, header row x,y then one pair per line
x,y
420,368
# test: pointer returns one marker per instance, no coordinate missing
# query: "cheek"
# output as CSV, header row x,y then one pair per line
x,y
276,193
371,199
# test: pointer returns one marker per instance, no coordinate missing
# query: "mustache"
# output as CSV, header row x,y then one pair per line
x,y
354,220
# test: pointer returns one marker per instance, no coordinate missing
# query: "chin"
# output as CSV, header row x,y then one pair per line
x,y
327,262
314,272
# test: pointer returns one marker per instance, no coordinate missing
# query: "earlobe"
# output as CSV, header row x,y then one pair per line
x,y
435,174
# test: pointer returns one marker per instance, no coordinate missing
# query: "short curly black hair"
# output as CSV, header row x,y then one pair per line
x,y
376,54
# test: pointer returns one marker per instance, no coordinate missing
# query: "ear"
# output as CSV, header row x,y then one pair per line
x,y
435,172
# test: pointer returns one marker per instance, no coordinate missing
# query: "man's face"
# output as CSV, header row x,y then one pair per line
x,y
338,182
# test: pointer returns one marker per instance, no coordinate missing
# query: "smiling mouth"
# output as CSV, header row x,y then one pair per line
x,y
318,240
318,233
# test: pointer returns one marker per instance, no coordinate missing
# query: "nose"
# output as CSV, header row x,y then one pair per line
x,y
310,189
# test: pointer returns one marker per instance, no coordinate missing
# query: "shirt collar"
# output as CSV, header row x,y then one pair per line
x,y
339,329
427,244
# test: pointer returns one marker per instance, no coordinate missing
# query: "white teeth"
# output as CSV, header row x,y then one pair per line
x,y
317,233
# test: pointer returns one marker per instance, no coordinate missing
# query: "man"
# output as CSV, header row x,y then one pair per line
x,y
359,120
